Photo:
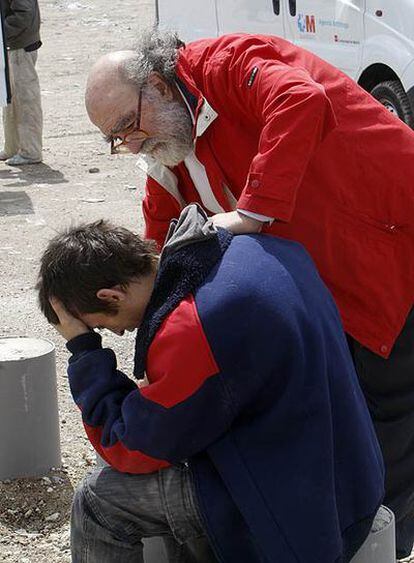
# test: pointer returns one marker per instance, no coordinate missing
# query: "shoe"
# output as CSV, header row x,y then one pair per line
x,y
4,155
19,160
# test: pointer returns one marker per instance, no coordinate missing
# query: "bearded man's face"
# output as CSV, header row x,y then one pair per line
x,y
170,130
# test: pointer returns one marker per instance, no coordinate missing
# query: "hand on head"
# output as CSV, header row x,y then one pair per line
x,y
69,326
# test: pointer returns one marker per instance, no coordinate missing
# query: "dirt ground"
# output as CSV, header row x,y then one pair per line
x,y
39,200
78,181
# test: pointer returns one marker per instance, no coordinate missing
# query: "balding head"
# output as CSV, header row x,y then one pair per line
x,y
112,75
106,85
132,98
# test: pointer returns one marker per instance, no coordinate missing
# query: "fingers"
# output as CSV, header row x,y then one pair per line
x,y
60,310
68,325
57,307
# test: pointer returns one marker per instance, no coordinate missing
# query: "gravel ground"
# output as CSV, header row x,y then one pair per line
x,y
78,181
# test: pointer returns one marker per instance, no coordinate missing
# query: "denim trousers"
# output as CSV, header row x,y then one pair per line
x,y
113,512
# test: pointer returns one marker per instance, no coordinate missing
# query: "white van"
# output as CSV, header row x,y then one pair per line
x,y
4,68
370,40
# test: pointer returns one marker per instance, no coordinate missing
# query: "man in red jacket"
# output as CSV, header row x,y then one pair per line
x,y
267,136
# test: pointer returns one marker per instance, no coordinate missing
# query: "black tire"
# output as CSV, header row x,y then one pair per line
x,y
392,95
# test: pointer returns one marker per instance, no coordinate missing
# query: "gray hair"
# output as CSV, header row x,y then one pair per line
x,y
154,51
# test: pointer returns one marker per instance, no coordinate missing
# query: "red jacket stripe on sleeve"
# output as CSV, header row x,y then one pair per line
x,y
196,360
122,459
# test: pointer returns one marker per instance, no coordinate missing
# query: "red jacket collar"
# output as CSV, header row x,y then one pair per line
x,y
204,114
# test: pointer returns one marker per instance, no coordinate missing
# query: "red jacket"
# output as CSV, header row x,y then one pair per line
x,y
284,134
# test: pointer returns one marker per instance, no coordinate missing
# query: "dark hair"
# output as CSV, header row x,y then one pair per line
x,y
81,261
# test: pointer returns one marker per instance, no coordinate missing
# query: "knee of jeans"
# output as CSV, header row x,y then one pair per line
x,y
96,500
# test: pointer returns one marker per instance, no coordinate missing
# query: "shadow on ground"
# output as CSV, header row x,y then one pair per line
x,y
15,203
31,174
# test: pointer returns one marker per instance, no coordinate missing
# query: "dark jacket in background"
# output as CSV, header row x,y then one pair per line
x,y
21,23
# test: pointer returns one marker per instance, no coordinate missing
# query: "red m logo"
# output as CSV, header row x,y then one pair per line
x,y
310,24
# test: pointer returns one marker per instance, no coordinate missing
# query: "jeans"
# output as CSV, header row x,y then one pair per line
x,y
112,512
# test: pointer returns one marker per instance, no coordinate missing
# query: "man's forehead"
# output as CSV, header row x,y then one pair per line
x,y
111,103
115,112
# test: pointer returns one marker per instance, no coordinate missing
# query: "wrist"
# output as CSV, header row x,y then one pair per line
x,y
84,342
253,225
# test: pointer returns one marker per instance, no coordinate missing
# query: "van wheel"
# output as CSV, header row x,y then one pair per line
x,y
392,95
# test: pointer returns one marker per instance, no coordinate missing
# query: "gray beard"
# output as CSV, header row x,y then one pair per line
x,y
173,139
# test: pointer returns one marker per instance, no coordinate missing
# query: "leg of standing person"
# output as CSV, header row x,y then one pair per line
x,y
388,386
30,122
112,512
11,134
27,108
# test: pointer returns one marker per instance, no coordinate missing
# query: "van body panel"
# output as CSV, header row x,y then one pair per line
x,y
332,29
262,16
384,41
191,19
353,35
407,77
397,18
386,50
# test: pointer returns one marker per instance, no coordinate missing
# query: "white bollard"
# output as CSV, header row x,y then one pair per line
x,y
379,547
29,421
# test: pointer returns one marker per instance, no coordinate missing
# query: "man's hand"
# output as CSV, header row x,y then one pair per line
x,y
69,326
237,223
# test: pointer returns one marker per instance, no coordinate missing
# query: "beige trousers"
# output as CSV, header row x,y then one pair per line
x,y
23,119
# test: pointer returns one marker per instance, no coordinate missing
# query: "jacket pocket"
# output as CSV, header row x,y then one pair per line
x,y
363,224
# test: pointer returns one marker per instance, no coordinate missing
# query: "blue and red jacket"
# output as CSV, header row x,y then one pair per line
x,y
250,382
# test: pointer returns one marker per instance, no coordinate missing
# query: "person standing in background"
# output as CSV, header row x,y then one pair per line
x,y
22,118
